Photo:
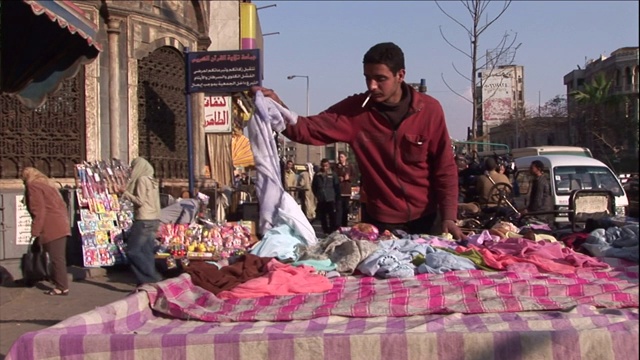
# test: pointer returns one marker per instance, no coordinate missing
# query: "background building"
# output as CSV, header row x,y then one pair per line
x,y
533,131
127,102
130,101
606,118
302,154
502,97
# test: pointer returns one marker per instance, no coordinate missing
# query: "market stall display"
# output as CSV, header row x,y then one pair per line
x,y
207,241
104,217
589,314
507,292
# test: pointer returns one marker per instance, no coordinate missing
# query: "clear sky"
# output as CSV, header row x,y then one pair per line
x,y
327,39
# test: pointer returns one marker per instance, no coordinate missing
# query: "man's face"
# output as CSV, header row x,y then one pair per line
x,y
325,166
533,170
289,165
342,158
383,85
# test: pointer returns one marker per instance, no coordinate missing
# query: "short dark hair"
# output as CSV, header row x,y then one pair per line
x,y
386,53
490,164
342,153
289,161
538,164
325,160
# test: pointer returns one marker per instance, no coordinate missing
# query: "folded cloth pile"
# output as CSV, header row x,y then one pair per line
x,y
619,242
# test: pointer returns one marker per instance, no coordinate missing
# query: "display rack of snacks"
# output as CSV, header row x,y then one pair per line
x,y
104,218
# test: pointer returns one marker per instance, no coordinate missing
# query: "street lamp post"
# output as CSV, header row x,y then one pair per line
x,y
307,78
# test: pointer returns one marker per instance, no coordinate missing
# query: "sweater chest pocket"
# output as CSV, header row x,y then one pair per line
x,y
414,148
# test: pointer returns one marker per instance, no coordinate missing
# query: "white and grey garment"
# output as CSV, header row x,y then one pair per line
x,y
181,212
393,259
277,207
618,242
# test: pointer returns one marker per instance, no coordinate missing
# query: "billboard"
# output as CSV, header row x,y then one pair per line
x,y
498,102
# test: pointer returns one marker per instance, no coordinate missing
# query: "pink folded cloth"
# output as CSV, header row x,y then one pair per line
x,y
484,236
546,256
281,279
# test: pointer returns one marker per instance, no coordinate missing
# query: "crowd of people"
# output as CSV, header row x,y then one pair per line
x,y
323,192
479,182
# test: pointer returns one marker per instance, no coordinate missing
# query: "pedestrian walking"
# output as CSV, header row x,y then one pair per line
x,y
307,197
344,172
326,189
144,192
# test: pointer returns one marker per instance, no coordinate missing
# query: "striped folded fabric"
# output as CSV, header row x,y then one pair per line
x,y
466,292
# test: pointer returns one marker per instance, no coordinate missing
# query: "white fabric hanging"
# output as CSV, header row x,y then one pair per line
x,y
310,170
277,207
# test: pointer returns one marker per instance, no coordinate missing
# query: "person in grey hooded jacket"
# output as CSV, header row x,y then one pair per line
x,y
144,192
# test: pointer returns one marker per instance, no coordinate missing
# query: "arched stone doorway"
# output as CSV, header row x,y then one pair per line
x,y
162,132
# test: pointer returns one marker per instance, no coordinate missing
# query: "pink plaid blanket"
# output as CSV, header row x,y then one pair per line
x,y
467,292
128,329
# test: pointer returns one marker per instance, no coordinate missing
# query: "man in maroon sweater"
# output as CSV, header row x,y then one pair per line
x,y
401,143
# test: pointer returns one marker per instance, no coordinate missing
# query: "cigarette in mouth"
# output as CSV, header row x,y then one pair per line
x,y
366,100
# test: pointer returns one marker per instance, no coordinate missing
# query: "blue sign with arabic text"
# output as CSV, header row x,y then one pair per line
x,y
223,71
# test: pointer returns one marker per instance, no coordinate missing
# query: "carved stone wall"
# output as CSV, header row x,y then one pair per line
x,y
146,27
145,35
50,138
162,134
92,110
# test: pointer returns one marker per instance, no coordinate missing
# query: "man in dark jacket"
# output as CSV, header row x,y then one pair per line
x,y
344,172
326,188
400,140
540,196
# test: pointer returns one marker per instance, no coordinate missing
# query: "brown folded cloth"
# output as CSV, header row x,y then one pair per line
x,y
209,277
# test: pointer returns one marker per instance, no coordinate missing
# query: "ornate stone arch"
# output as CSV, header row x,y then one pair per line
x,y
201,19
144,51
628,76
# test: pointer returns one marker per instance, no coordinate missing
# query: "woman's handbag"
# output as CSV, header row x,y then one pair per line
x,y
35,264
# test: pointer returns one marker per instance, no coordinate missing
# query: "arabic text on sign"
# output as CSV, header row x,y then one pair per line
x,y
225,70
23,222
215,101
225,84
218,118
224,57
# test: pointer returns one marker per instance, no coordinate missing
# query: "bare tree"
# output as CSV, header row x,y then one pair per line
x,y
554,108
477,10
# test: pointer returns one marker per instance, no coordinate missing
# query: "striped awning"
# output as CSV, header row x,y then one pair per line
x,y
43,43
68,16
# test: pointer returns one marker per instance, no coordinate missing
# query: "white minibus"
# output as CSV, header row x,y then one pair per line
x,y
568,173
551,150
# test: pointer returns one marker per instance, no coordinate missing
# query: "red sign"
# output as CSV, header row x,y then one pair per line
x,y
218,114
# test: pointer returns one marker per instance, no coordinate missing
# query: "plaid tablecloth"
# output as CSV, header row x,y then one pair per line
x,y
598,320
467,292
128,329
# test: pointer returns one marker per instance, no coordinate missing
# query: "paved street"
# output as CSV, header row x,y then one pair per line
x,y
28,309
